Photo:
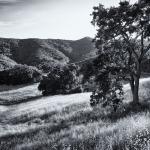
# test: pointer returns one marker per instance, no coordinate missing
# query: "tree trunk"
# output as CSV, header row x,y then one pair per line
x,y
136,84
136,90
132,84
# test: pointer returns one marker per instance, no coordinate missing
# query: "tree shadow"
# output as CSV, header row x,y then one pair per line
x,y
128,109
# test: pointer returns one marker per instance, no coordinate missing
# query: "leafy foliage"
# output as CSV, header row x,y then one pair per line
x,y
61,80
20,74
123,42
109,88
6,62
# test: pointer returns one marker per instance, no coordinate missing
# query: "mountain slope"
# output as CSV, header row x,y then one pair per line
x,y
46,53
6,62
83,49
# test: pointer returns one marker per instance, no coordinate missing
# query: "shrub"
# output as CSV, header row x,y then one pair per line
x,y
61,80
109,92
20,74
77,89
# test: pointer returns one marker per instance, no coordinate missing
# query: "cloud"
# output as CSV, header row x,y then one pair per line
x,y
17,2
6,24
8,3
11,9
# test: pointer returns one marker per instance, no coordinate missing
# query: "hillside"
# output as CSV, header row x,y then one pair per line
x,y
46,53
6,62
83,49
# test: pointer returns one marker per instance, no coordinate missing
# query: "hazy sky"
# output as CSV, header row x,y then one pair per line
x,y
63,19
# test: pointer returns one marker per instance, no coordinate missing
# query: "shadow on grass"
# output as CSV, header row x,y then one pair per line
x,y
15,102
129,109
10,141
58,121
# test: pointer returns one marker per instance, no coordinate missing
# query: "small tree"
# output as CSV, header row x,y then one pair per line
x,y
61,80
20,74
109,88
123,36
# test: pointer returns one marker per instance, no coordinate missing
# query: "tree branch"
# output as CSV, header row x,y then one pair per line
x,y
147,49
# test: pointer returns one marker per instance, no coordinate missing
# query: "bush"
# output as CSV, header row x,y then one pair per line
x,y
61,80
20,74
111,100
109,92
78,89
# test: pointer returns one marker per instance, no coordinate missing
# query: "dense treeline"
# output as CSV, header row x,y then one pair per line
x,y
20,74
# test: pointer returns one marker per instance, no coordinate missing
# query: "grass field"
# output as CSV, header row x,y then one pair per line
x,y
18,94
69,123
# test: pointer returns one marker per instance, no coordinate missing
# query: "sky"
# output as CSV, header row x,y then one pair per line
x,y
58,19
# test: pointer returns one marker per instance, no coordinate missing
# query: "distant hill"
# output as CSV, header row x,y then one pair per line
x,y
46,53
83,49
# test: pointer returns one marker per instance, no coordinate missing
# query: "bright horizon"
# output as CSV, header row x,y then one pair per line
x,y
58,19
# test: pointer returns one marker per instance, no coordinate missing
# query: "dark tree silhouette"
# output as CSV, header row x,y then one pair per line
x,y
123,37
20,74
61,80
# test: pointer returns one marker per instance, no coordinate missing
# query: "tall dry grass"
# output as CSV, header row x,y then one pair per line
x,y
79,127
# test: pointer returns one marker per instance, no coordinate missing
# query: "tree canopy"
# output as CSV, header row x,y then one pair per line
x,y
61,80
20,74
123,39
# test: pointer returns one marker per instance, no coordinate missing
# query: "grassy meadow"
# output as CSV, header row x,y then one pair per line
x,y
69,123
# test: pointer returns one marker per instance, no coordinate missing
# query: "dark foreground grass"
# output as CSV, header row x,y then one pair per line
x,y
20,94
79,127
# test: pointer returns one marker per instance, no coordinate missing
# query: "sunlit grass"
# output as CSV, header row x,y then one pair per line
x,y
77,126
132,132
80,127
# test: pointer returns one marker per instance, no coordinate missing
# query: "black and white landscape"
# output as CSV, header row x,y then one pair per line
x,y
74,81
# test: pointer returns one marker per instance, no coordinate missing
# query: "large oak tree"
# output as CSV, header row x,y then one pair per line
x,y
123,35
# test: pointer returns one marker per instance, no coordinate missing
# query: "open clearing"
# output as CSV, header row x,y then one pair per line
x,y
68,122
